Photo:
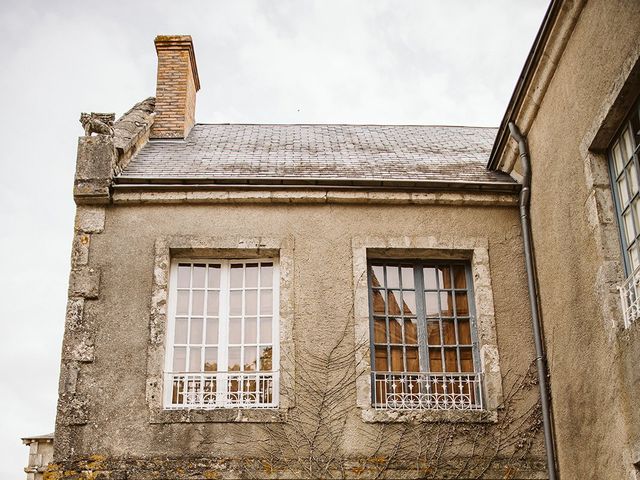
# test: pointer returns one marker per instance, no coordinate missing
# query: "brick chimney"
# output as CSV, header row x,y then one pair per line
x,y
176,89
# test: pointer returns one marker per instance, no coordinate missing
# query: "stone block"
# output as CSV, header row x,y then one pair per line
x,y
84,282
94,169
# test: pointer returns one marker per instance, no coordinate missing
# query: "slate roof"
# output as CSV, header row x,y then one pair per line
x,y
323,152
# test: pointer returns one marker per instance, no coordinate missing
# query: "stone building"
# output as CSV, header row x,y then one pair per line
x,y
355,301
40,455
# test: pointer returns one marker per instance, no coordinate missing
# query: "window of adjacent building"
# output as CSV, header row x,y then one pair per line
x,y
222,349
625,179
424,351
625,173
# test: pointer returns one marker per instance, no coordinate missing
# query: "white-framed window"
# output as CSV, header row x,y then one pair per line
x,y
424,348
624,167
222,346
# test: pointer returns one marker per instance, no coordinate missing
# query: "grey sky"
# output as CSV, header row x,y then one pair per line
x,y
279,61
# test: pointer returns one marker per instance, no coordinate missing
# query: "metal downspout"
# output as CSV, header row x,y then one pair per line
x,y
541,359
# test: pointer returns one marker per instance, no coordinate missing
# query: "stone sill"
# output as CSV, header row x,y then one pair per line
x,y
371,415
235,415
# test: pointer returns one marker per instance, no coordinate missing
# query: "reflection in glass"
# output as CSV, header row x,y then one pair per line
x,y
234,359
411,331
432,308
184,275
397,363
395,330
266,302
266,358
236,275
377,278
266,275
393,302
214,276
381,358
250,330
199,271
250,302
464,331
250,358
194,359
195,335
462,304
413,363
212,331
179,359
197,302
459,277
409,303
235,330
449,332
378,302
235,303
379,330
182,307
266,329
433,333
180,335
211,359
251,275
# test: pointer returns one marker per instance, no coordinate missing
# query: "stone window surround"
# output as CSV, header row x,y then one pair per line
x,y
600,209
225,247
464,248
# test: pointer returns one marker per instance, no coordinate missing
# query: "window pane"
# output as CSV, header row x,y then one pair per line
x,y
181,331
194,359
266,275
211,359
451,359
234,359
182,307
628,226
407,276
199,271
632,175
432,308
449,332
197,302
266,330
235,330
397,359
377,276
250,330
212,331
464,332
413,363
395,330
213,303
617,156
626,144
435,360
179,359
266,358
378,302
266,302
380,330
236,275
195,335
444,277
430,282
411,331
393,278
251,302
446,304
184,275
459,277
250,358
623,192
214,276
409,303
466,360
381,359
251,275
433,333
462,304
235,303
393,302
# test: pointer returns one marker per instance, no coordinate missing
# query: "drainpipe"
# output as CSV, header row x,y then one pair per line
x,y
541,359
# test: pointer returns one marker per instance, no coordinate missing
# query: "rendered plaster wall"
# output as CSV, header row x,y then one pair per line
x,y
594,387
104,413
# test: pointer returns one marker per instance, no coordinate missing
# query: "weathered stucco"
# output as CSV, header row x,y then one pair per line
x,y
594,388
109,391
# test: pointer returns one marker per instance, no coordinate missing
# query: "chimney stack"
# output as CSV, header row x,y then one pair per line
x,y
176,88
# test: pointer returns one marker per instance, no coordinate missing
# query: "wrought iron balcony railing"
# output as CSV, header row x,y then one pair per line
x,y
629,291
213,390
427,391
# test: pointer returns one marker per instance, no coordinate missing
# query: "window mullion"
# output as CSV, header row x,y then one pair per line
x,y
421,317
223,329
